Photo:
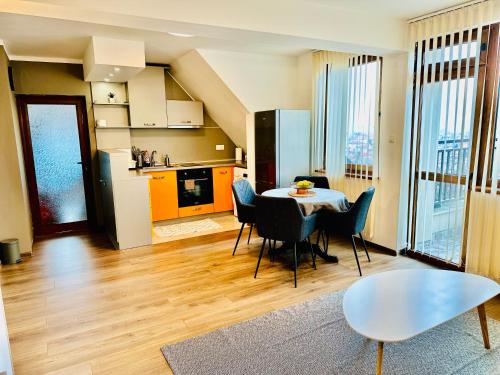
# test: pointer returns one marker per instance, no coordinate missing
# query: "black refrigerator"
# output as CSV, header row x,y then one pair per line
x,y
282,147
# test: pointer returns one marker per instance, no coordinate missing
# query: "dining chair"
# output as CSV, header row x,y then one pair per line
x,y
244,196
320,182
348,223
281,219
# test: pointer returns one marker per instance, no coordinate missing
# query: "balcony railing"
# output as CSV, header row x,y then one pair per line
x,y
452,159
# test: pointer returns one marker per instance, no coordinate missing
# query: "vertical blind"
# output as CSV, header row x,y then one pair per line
x,y
363,116
346,115
445,120
346,123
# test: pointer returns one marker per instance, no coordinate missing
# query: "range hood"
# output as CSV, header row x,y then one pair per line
x,y
113,60
184,114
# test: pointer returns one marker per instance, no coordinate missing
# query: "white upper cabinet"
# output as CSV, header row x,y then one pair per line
x,y
184,114
146,95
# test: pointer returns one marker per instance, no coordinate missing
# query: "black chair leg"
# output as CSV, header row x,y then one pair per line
x,y
320,231
322,234
274,250
260,256
238,240
295,263
356,254
313,255
364,245
326,241
250,234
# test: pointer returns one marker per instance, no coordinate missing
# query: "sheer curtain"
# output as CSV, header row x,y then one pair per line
x,y
330,71
345,113
483,245
448,208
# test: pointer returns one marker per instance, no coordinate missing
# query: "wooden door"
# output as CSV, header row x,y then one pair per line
x,y
223,179
57,161
163,189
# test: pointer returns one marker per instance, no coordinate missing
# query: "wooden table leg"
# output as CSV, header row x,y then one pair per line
x,y
484,325
380,357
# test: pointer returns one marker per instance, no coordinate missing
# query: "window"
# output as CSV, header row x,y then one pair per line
x,y
362,117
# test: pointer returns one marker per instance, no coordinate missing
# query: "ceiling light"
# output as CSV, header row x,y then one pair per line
x,y
182,35
106,79
117,69
111,75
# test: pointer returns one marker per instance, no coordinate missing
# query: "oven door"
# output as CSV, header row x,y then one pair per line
x,y
195,187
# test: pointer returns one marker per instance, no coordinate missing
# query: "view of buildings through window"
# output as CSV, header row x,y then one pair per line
x,y
362,114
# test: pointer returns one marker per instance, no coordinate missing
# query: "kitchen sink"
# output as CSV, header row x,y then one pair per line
x,y
190,165
172,165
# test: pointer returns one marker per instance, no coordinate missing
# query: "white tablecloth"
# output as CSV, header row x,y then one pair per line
x,y
324,198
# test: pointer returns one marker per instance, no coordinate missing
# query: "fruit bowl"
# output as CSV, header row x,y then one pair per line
x,y
303,186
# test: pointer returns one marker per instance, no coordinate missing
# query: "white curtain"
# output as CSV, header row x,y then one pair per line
x,y
483,245
439,136
346,107
330,73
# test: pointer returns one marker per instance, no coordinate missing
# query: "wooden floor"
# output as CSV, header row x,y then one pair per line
x,y
78,307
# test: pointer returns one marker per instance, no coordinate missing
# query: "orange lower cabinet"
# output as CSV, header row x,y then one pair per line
x,y
223,195
163,190
196,210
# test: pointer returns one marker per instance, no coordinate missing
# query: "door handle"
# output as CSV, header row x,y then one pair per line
x,y
79,162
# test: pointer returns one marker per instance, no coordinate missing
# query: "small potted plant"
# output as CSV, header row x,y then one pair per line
x,y
111,97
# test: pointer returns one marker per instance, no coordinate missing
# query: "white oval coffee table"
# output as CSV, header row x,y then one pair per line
x,y
397,305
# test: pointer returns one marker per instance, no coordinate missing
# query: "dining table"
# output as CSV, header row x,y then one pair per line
x,y
320,199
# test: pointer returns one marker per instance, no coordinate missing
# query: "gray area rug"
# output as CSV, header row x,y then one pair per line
x,y
314,338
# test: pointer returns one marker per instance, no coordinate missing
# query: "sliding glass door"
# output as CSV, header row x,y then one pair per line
x,y
455,94
443,168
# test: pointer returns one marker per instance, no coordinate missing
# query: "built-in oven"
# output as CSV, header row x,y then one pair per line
x,y
195,187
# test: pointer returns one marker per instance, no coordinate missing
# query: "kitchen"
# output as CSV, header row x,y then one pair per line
x,y
147,180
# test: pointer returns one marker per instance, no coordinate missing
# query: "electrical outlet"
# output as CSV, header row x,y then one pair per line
x,y
219,147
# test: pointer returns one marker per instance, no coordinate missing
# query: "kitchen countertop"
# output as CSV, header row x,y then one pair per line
x,y
179,166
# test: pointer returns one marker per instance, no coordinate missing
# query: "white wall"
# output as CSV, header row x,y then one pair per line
x,y
220,103
235,84
304,80
261,82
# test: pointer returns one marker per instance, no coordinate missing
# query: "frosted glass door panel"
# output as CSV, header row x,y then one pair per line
x,y
57,159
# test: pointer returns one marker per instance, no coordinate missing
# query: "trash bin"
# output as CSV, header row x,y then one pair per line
x,y
9,251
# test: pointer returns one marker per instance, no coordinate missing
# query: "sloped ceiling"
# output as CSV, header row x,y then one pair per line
x,y
235,84
203,83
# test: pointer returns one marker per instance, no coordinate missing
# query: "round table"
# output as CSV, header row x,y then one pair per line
x,y
324,198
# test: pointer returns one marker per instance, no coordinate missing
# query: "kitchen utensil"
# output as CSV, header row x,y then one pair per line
x,y
152,162
146,158
140,161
